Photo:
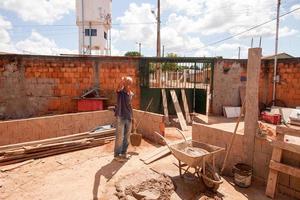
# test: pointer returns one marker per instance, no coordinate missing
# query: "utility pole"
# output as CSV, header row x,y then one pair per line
x,y
163,51
83,31
239,53
158,51
276,52
260,38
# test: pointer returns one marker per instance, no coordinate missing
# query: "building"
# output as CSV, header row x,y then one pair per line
x,y
279,56
93,18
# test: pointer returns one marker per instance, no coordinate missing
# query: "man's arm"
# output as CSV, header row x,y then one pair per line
x,y
121,85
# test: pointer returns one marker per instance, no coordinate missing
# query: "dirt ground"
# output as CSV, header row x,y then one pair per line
x,y
93,174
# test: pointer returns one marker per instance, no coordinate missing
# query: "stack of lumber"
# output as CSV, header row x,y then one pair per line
x,y
15,153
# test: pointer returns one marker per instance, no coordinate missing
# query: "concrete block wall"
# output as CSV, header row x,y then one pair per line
x,y
262,155
226,84
33,86
24,130
221,138
149,123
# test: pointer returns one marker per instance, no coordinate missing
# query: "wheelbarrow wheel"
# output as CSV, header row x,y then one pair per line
x,y
211,174
210,185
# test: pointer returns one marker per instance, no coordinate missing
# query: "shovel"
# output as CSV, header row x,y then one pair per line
x,y
136,138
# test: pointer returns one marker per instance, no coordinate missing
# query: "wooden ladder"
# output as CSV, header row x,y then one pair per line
x,y
293,145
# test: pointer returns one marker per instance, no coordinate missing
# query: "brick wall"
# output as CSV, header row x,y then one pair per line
x,y
288,89
262,155
24,130
226,85
42,85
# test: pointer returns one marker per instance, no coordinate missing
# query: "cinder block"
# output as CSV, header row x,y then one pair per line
x,y
284,179
4,134
295,183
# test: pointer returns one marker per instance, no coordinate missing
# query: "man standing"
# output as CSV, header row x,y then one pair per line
x,y
123,114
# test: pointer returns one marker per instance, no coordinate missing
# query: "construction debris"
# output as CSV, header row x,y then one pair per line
x,y
160,188
15,153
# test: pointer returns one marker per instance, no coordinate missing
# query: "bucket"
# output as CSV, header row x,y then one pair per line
x,y
242,175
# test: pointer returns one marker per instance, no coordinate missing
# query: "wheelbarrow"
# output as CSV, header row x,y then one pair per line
x,y
198,156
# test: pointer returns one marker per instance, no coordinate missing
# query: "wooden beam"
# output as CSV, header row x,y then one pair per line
x,y
185,106
287,146
178,111
165,105
293,171
273,174
291,130
57,139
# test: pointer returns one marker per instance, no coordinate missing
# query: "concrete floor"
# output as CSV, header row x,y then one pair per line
x,y
92,174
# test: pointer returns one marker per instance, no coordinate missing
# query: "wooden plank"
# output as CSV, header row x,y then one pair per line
x,y
273,174
291,130
165,105
287,146
181,119
159,153
293,171
185,106
52,152
57,139
153,153
9,168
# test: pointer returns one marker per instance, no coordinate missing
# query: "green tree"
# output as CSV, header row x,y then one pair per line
x,y
171,66
132,53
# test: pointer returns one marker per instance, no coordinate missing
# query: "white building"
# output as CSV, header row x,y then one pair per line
x,y
93,18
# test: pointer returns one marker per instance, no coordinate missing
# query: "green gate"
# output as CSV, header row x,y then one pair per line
x,y
194,75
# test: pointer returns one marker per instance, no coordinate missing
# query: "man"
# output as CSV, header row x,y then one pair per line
x,y
123,114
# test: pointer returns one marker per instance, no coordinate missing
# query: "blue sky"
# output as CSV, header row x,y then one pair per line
x,y
48,27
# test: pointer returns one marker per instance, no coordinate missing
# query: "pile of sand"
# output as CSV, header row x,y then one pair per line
x,y
160,188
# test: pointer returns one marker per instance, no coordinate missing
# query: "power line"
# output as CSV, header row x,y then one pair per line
x,y
245,31
74,25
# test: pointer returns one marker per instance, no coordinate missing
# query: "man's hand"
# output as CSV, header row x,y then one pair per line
x,y
121,84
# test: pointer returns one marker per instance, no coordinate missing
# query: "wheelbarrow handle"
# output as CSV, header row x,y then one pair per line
x,y
163,138
181,133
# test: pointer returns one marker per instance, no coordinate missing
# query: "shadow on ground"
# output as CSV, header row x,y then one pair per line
x,y
108,171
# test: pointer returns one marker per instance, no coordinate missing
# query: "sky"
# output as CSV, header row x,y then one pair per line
x,y
188,27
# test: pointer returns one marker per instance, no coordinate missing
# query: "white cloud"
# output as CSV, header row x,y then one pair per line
x,y
189,7
229,16
172,36
38,44
138,15
41,11
5,40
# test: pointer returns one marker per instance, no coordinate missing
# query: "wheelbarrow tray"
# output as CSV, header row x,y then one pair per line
x,y
193,153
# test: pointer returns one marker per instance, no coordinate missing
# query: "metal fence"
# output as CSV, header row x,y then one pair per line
x,y
176,72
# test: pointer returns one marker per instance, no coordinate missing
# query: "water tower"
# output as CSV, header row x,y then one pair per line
x,y
93,18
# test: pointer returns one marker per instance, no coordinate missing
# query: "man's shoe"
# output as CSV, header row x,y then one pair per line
x,y
119,159
125,156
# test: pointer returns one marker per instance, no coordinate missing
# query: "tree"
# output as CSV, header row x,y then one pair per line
x,y
171,66
132,53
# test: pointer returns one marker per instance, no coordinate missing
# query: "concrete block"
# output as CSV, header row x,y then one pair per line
x,y
4,136
266,147
12,132
284,179
295,183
